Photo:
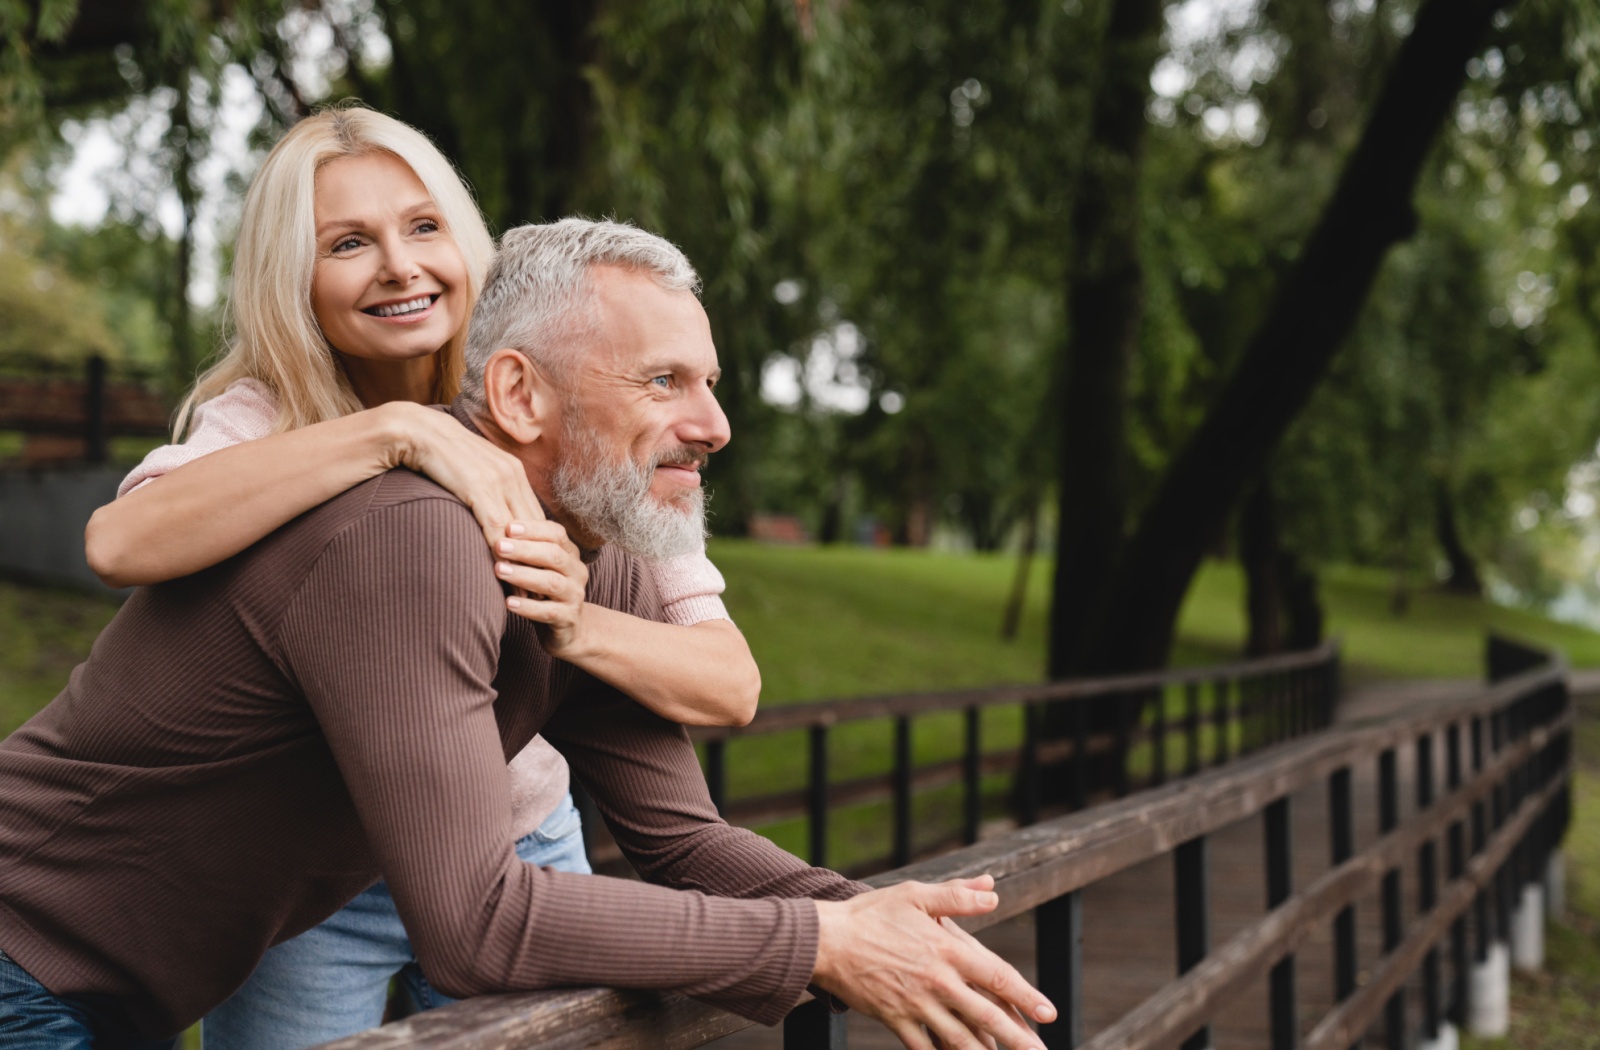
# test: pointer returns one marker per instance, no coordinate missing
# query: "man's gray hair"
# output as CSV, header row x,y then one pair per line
x,y
539,298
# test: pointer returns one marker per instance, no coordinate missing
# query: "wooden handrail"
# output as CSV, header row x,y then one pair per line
x,y
1038,864
838,712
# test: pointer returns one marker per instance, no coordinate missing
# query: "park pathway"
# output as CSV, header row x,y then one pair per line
x,y
1129,949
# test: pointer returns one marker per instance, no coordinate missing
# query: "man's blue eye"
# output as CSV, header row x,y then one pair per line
x,y
662,381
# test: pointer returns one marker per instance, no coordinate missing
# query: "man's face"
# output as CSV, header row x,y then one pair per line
x,y
640,419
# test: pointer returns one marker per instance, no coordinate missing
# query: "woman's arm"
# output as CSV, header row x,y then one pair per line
x,y
217,505
698,675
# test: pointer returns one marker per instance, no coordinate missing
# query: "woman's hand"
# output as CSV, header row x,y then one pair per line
x,y
490,481
542,562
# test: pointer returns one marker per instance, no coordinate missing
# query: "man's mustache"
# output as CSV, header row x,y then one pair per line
x,y
682,456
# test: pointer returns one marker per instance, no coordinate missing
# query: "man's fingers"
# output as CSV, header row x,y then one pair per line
x,y
953,1032
911,1035
955,898
982,968
993,1020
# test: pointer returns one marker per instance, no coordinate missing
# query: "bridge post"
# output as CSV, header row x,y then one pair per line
x,y
1192,879
814,1026
1280,884
1058,942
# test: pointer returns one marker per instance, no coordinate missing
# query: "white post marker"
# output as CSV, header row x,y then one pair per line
x,y
1448,1039
1555,885
1489,1015
1527,930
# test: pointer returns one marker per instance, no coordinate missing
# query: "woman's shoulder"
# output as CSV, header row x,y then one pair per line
x,y
242,400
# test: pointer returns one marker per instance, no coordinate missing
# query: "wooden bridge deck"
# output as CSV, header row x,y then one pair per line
x,y
1129,949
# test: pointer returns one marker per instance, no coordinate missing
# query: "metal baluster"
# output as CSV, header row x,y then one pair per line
x,y
1219,718
1280,882
1456,866
1341,821
971,775
1191,729
1127,709
1191,876
1498,813
1428,888
1030,762
813,1026
1080,753
1394,1013
1058,942
902,791
717,773
818,803
1158,741
1482,915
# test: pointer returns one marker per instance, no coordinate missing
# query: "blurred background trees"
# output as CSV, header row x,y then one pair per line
x,y
1013,274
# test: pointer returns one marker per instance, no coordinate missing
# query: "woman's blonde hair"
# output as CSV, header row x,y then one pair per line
x,y
273,335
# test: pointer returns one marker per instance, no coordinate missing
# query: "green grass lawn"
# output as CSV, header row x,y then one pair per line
x,y
848,621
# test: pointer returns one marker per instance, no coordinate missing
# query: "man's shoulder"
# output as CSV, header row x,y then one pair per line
x,y
374,502
622,581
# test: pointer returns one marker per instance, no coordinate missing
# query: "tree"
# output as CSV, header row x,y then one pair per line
x,y
1312,312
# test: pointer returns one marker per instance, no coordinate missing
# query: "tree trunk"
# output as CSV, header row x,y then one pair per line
x,y
1105,306
1310,316
1262,559
1012,620
182,136
1463,578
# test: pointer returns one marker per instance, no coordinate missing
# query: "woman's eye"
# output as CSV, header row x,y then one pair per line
x,y
427,226
347,244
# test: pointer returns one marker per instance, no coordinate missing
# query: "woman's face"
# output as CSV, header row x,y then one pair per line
x,y
389,283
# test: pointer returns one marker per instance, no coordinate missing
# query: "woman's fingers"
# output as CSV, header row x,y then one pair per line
x,y
546,583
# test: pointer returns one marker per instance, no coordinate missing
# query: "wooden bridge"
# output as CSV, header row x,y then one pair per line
x,y
1321,885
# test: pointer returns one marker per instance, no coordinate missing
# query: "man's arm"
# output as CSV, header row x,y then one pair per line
x,y
891,953
642,773
394,639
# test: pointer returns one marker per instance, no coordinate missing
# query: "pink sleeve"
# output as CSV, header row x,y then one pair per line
x,y
690,587
247,410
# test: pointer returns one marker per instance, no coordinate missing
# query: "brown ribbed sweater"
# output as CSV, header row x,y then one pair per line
x,y
249,747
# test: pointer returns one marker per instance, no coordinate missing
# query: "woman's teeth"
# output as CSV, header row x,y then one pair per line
x,y
396,309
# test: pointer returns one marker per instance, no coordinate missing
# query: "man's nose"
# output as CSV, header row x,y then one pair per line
x,y
707,424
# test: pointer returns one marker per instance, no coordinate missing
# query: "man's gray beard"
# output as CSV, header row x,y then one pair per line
x,y
612,501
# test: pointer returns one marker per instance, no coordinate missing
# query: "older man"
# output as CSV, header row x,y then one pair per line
x,y
248,747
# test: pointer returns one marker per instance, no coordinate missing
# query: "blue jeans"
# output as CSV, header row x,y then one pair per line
x,y
33,1019
333,980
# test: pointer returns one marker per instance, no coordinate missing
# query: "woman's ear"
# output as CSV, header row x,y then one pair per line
x,y
519,397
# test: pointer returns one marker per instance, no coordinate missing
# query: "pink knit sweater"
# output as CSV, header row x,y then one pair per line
x,y
690,586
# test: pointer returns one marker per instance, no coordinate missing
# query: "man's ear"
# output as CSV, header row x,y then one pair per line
x,y
519,396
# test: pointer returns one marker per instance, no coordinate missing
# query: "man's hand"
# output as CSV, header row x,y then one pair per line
x,y
887,954
543,563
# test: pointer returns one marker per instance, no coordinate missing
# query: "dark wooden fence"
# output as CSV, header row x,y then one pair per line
x,y
1490,775
70,411
1170,724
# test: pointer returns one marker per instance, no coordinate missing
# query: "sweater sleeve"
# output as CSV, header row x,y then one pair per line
x,y
247,410
642,773
690,588
394,639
